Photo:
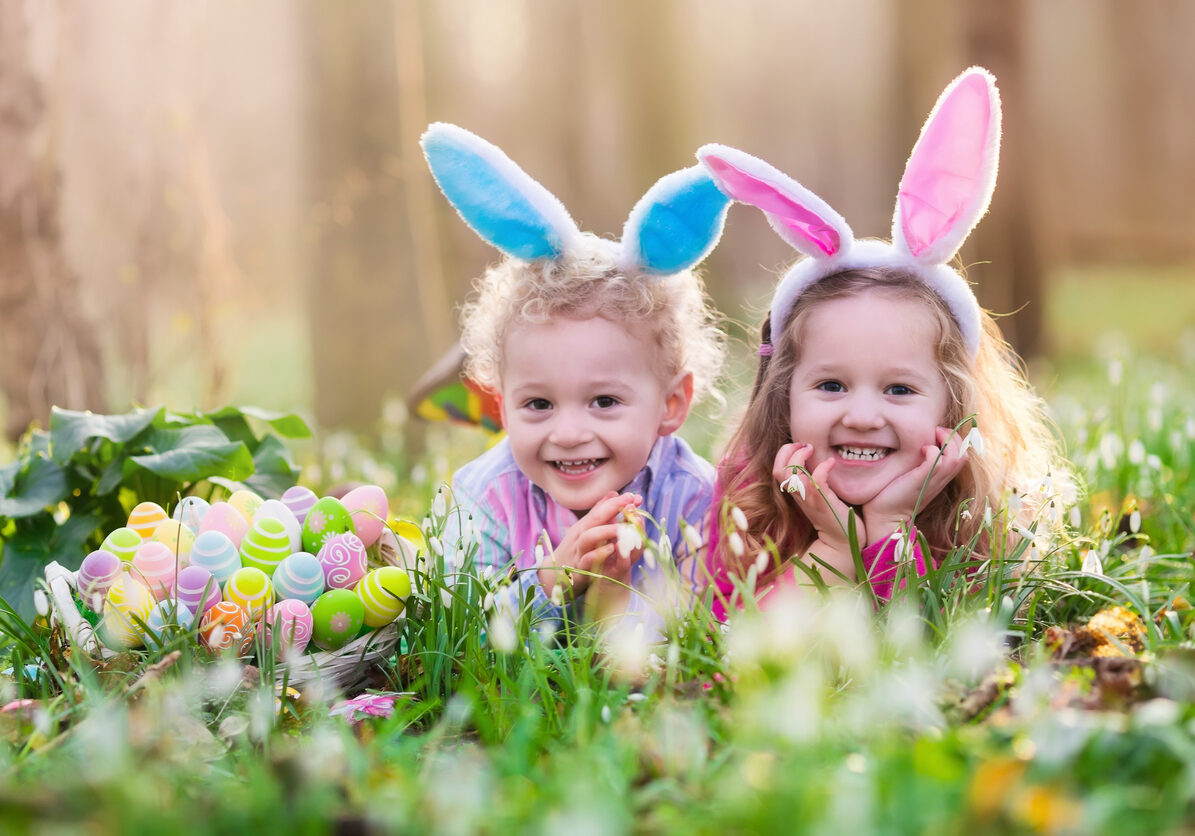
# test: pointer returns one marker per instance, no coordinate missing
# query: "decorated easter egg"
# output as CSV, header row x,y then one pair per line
x,y
98,572
178,537
337,616
197,589
250,589
123,543
144,518
299,500
226,625
214,551
246,502
155,565
326,517
274,509
265,544
383,594
290,620
344,560
190,511
299,576
169,612
127,601
369,509
227,520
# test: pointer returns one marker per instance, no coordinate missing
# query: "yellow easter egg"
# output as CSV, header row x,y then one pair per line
x,y
146,517
247,502
250,589
178,537
127,599
383,592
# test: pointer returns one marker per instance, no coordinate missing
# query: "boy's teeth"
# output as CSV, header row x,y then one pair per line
x,y
865,454
579,466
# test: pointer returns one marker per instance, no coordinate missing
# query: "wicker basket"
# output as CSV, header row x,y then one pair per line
x,y
348,668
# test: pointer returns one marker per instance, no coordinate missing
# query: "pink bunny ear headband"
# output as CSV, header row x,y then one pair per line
x,y
946,188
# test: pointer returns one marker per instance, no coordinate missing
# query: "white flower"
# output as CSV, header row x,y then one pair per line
x,y
629,539
1014,504
973,441
557,595
502,633
1136,451
439,504
41,603
540,555
435,545
692,537
736,544
1135,521
487,603
761,562
738,518
1075,516
793,484
606,714
1092,563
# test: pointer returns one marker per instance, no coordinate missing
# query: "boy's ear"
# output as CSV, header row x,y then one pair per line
x,y
678,397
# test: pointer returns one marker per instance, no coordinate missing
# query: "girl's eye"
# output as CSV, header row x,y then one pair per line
x,y
831,386
604,401
900,389
538,404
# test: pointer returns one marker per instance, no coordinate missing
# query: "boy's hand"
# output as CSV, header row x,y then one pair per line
x,y
824,510
591,545
893,506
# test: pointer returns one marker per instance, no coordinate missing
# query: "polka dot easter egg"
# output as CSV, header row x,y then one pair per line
x,y
145,517
123,543
127,601
178,537
274,509
291,623
226,625
299,576
369,509
215,552
155,565
326,517
197,589
383,594
265,545
344,560
190,511
227,520
250,589
337,616
246,502
97,573
299,500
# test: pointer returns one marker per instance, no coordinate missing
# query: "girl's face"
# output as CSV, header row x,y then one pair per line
x,y
867,391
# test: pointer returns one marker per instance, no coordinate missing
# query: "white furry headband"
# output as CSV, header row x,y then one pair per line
x,y
946,188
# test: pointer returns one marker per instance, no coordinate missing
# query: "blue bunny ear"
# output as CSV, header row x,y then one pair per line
x,y
495,197
676,224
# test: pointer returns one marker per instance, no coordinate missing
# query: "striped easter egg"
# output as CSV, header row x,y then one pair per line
x,y
155,565
266,543
249,588
226,625
290,620
299,500
98,572
215,552
343,558
299,576
127,601
224,518
169,612
178,537
383,593
190,511
123,543
197,588
369,509
276,510
145,517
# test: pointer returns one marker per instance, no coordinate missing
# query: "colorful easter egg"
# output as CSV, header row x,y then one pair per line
x,y
383,594
326,518
344,560
265,544
197,588
246,502
290,620
299,500
123,543
190,511
127,601
215,552
169,612
250,588
369,509
98,572
274,509
144,518
299,576
227,520
226,625
155,565
337,616
178,537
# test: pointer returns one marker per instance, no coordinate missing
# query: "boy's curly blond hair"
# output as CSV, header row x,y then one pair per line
x,y
585,282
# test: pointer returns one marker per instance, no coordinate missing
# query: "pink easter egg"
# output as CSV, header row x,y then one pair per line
x,y
197,588
97,573
292,619
155,565
343,558
369,509
227,520
299,500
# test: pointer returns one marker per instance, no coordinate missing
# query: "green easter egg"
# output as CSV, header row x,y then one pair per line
x,y
382,592
266,543
327,516
337,616
123,543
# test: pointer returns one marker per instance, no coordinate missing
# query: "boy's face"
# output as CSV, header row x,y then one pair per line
x,y
583,406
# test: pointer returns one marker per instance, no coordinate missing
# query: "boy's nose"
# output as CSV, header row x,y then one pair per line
x,y
570,430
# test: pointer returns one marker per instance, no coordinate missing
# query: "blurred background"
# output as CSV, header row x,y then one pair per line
x,y
225,203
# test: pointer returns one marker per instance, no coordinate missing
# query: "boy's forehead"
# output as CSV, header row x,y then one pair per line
x,y
590,341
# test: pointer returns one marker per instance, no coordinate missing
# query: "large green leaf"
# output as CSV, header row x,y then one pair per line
x,y
23,561
190,454
70,431
32,489
284,423
275,471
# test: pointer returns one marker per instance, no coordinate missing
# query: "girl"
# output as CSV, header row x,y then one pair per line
x,y
874,361
596,350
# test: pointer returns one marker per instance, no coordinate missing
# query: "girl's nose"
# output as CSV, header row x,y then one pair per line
x,y
863,412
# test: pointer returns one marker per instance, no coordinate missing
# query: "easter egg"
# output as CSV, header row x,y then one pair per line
x,y
155,565
227,520
274,509
127,600
144,518
369,508
123,543
178,537
163,613
250,589
344,560
383,592
299,500
97,573
337,616
290,620
215,552
265,544
190,511
246,502
326,517
197,589
299,576
226,625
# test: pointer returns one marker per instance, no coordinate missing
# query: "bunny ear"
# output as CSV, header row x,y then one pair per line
x,y
797,214
950,176
495,197
675,224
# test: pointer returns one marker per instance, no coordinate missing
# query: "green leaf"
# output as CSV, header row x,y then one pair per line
x,y
23,561
275,471
196,456
285,423
29,490
70,431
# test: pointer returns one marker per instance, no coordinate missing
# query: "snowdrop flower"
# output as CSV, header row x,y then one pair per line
x,y
1092,563
629,539
735,541
1111,448
692,537
1136,452
973,441
1014,504
439,504
1135,521
761,562
502,633
738,518
433,543
557,596
1075,516
793,484
1153,462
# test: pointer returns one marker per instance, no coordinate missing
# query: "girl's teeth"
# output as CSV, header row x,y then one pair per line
x,y
863,454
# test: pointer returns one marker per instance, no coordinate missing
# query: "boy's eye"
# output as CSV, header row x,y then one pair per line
x,y
831,386
900,389
604,401
538,404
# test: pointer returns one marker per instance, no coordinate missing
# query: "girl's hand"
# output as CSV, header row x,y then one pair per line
x,y
591,545
824,510
894,505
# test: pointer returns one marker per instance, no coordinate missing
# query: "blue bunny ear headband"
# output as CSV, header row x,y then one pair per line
x,y
673,226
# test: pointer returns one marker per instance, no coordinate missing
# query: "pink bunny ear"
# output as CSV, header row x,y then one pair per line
x,y
797,214
950,176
